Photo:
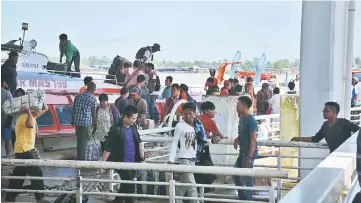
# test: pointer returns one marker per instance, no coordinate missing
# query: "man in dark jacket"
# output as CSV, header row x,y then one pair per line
x,y
123,144
9,73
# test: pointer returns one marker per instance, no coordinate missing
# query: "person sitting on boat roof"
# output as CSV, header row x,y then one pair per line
x,y
87,80
334,130
131,79
141,105
9,73
71,53
211,81
225,88
146,53
167,90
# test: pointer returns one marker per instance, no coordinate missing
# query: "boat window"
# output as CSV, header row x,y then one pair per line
x,y
64,113
45,120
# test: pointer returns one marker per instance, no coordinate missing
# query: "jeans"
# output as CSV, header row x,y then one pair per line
x,y
76,60
24,171
82,137
153,111
248,180
125,187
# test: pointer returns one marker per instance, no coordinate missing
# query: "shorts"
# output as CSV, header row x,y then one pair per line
x,y
6,134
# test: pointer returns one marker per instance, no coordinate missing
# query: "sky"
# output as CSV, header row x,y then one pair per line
x,y
186,31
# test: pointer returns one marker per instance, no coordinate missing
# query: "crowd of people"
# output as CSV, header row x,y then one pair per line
x,y
266,101
113,129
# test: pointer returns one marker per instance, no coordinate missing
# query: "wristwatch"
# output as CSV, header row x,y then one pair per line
x,y
142,159
249,157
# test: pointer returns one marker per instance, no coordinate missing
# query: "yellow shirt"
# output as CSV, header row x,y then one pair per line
x,y
25,137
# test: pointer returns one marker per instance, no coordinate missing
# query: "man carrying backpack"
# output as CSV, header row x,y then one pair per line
x,y
145,54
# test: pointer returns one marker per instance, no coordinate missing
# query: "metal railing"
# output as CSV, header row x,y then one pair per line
x,y
144,167
268,143
102,74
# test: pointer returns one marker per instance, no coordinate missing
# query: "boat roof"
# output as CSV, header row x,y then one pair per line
x,y
60,83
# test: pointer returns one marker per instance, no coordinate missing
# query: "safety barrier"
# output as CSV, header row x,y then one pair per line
x,y
144,167
268,143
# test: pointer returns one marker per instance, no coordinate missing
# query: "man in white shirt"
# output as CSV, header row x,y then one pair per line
x,y
145,54
185,140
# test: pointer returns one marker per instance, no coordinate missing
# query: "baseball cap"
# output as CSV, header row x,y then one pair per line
x,y
355,79
135,90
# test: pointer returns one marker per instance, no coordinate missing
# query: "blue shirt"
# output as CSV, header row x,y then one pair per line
x,y
84,105
245,127
129,146
166,93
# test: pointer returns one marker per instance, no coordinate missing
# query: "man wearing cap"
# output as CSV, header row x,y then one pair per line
x,y
262,97
141,105
9,73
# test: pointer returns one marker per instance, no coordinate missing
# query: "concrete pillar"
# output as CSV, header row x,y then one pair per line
x,y
322,67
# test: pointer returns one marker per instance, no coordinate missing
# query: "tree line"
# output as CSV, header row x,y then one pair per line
x,y
246,65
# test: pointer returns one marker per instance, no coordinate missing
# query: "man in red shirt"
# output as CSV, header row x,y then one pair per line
x,y
210,127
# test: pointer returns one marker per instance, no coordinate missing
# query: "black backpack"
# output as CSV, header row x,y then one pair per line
x,y
141,52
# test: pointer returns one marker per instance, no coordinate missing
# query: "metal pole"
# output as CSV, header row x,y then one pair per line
x,y
172,191
201,193
349,56
79,198
279,180
272,198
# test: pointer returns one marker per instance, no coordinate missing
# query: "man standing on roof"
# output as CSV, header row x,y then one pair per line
x,y
145,54
71,53
9,73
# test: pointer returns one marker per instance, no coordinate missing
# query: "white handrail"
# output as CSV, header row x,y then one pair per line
x,y
270,143
146,166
